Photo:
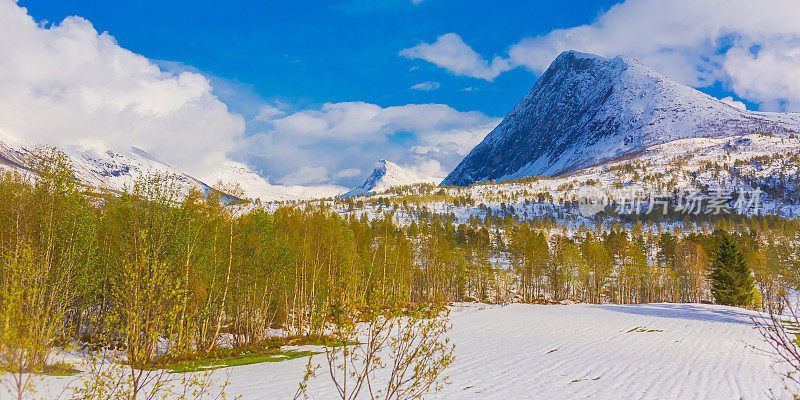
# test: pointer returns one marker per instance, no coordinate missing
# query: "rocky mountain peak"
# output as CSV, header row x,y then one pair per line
x,y
586,109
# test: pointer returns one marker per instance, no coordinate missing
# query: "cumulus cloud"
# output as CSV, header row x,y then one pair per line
x,y
339,140
267,113
365,122
731,101
67,84
426,86
429,167
451,53
749,47
770,76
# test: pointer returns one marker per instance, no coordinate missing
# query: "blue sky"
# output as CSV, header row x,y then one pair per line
x,y
317,91
312,52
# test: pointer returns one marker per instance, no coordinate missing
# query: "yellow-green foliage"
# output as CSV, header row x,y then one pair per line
x,y
168,276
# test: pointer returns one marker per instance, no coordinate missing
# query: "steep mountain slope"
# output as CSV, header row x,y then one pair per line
x,y
387,175
587,109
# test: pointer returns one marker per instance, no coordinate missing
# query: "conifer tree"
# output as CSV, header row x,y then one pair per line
x,y
732,280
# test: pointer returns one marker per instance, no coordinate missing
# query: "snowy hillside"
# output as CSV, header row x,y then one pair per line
x,y
587,109
708,165
100,167
107,169
521,351
387,175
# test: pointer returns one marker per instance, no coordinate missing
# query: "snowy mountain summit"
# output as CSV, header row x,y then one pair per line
x,y
586,109
387,175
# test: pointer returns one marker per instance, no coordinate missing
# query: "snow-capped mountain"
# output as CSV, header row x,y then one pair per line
x,y
99,167
387,175
111,170
587,109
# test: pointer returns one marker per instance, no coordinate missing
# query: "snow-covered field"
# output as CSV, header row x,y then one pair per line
x,y
655,351
519,351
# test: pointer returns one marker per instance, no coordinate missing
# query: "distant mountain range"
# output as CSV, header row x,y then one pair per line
x,y
587,109
112,170
584,110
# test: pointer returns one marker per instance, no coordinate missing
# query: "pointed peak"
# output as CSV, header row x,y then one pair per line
x,y
387,175
382,164
574,55
578,61
587,109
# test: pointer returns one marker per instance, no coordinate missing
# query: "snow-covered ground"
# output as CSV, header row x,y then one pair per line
x,y
653,351
520,351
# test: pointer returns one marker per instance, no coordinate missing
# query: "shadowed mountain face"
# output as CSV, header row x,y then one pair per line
x,y
587,109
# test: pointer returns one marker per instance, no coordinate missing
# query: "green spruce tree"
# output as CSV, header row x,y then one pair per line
x,y
732,280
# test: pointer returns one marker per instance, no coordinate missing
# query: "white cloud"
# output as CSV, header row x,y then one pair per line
x,y
451,53
458,140
365,122
68,85
426,86
349,137
348,173
750,47
731,101
770,77
268,113
306,176
430,168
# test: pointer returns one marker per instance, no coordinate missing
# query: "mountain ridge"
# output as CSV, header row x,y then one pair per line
x,y
587,109
106,169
